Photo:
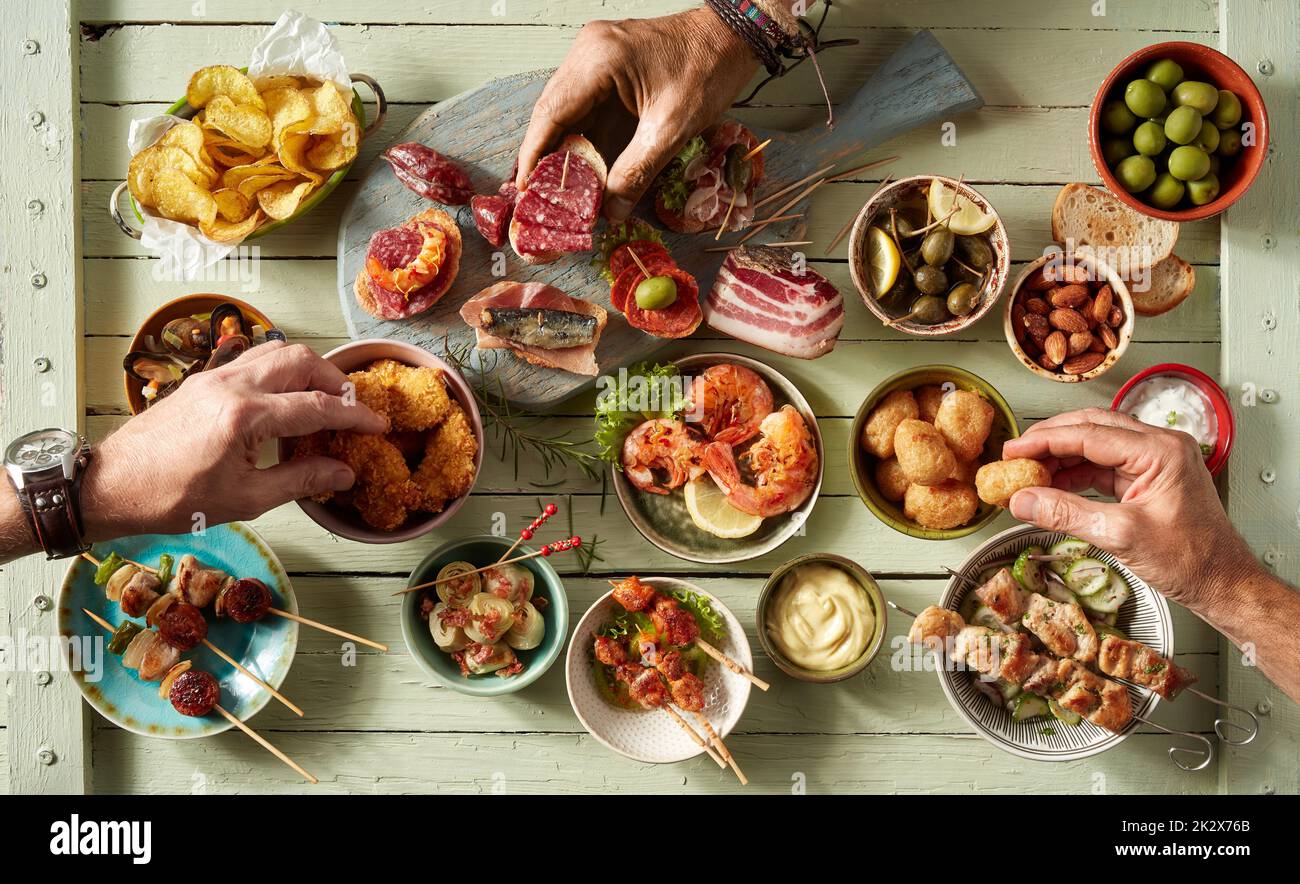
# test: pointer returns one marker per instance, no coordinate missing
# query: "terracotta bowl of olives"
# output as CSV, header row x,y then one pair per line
x,y
929,255
1178,131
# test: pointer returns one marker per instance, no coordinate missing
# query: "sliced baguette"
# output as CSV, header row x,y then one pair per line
x,y
1171,281
1084,215
580,146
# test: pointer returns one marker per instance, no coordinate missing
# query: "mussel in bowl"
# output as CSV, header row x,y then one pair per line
x,y
226,320
188,336
158,372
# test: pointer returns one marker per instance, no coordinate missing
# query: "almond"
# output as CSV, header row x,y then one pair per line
x,y
1054,348
1116,317
1068,295
1108,337
1039,281
1067,320
1078,342
1085,363
1036,325
1097,345
1039,306
1102,303
1046,362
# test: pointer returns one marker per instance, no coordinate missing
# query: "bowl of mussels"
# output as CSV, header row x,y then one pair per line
x,y
929,255
188,335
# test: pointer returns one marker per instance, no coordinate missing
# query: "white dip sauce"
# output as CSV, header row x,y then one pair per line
x,y
820,617
1169,401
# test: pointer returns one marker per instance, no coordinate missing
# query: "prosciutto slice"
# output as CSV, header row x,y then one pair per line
x,y
759,297
579,360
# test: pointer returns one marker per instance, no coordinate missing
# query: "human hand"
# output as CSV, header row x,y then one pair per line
x,y
195,453
1168,524
670,77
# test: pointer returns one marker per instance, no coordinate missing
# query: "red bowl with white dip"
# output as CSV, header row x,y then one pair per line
x,y
1189,400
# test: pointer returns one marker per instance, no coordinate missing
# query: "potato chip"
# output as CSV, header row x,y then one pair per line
x,y
232,205
293,154
145,166
233,177
249,187
277,81
242,122
222,231
186,135
178,198
222,79
329,109
281,200
334,151
286,107
228,157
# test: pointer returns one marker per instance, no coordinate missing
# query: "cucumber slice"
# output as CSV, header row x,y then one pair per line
x,y
1029,573
1070,546
1063,715
1110,599
1104,629
1087,576
1027,706
1009,691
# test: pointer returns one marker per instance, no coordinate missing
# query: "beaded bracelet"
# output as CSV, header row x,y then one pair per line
x,y
759,31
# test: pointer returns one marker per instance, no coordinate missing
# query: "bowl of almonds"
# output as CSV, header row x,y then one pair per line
x,y
1069,317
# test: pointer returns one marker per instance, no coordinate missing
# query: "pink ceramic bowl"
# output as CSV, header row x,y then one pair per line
x,y
357,355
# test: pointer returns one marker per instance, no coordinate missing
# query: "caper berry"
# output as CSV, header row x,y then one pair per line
x,y
929,310
975,251
962,299
931,280
936,248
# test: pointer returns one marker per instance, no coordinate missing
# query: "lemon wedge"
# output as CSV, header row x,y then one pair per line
x,y
967,220
711,513
883,259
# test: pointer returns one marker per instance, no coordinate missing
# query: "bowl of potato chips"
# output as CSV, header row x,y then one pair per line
x,y
248,156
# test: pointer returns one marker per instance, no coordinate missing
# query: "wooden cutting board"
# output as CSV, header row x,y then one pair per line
x,y
481,130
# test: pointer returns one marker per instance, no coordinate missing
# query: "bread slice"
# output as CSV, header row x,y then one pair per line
x,y
424,298
575,144
1084,215
1171,281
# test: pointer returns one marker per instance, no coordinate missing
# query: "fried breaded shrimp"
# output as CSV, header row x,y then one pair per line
x,y
447,471
417,397
383,491
315,445
371,390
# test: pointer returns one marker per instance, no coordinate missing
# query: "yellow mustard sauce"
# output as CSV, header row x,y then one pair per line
x,y
820,617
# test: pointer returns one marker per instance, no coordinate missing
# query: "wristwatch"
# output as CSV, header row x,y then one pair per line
x,y
46,469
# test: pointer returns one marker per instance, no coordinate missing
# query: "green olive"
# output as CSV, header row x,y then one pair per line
x,y
936,248
1203,190
1229,143
656,293
1144,98
930,280
1228,111
962,299
1166,193
1165,73
1188,163
1116,118
975,251
1115,149
1208,139
1136,173
1183,125
929,309
1203,97
1149,138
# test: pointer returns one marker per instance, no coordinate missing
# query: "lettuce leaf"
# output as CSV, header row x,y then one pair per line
x,y
673,190
616,235
624,403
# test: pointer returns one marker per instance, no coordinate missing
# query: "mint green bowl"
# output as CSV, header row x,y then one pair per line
x,y
480,550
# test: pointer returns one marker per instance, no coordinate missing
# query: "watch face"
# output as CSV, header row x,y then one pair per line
x,y
40,450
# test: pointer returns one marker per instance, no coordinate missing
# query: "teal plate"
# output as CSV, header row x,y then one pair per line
x,y
265,647
480,550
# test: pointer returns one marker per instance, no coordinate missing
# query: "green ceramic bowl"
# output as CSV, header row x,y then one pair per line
x,y
862,464
875,598
484,549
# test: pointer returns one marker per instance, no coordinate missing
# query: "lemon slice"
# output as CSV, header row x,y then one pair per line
x,y
882,257
967,220
710,511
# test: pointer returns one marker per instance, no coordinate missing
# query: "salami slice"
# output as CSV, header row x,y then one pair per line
x,y
620,260
395,247
534,208
535,239
581,191
678,320
492,217
624,288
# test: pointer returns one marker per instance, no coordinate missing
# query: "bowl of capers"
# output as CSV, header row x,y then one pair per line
x,y
929,255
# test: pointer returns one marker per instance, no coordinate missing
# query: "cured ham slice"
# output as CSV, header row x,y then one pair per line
x,y
539,296
759,297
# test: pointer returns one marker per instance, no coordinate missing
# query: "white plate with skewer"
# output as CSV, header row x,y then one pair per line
x,y
652,735
1144,617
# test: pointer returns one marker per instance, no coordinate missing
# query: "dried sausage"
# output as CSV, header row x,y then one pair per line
x,y
247,600
429,173
182,626
194,693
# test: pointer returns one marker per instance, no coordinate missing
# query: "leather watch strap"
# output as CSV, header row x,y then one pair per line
x,y
51,509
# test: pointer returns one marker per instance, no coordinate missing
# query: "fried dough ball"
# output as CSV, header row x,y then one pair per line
x,y
946,505
383,493
998,480
891,480
878,431
922,453
964,418
417,397
447,471
315,445
965,471
928,398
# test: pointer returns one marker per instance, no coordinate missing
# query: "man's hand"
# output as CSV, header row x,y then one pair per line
x,y
1167,525
196,451
671,77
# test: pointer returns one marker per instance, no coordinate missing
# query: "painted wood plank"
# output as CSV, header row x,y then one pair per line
x,y
40,316
1261,336
547,764
1010,67
1055,14
1025,209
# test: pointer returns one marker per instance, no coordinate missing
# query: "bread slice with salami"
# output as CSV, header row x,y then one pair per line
x,y
557,209
409,267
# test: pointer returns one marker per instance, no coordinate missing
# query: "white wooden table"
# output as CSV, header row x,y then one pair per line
x,y
380,726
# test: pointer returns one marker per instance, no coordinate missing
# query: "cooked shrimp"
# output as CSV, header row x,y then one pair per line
x,y
734,400
783,460
662,446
